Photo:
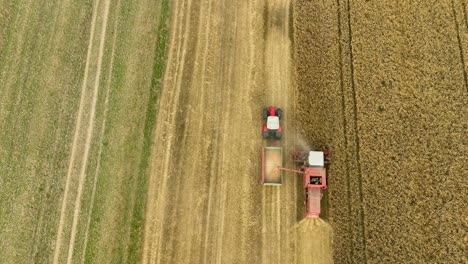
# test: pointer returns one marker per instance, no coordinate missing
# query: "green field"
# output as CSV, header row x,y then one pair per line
x,y
78,87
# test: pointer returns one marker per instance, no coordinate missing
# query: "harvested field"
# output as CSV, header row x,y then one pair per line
x,y
226,60
383,85
76,112
388,85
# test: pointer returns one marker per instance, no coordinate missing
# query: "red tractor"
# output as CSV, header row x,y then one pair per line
x,y
272,128
311,164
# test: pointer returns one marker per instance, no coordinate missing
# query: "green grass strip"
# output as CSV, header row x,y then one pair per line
x,y
136,232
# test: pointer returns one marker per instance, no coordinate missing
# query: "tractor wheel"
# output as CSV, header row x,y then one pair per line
x,y
279,113
265,135
278,135
265,113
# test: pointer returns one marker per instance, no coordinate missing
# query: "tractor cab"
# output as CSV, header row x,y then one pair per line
x,y
273,123
272,127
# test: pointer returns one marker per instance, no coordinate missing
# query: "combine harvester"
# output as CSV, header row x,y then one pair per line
x,y
310,164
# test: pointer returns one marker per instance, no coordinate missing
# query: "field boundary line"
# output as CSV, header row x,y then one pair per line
x,y
103,128
135,251
465,16
149,236
152,241
358,154
58,241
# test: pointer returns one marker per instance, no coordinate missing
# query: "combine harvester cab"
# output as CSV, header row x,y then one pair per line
x,y
272,158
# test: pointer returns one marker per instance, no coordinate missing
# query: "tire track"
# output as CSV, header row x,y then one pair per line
x,y
184,34
264,224
343,115
356,127
101,134
7,79
465,16
58,242
89,132
200,125
277,210
151,227
227,118
182,187
460,45
188,140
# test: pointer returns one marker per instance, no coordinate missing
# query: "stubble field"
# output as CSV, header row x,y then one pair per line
x,y
226,61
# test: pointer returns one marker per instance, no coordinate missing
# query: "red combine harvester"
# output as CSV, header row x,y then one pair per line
x,y
272,128
312,167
